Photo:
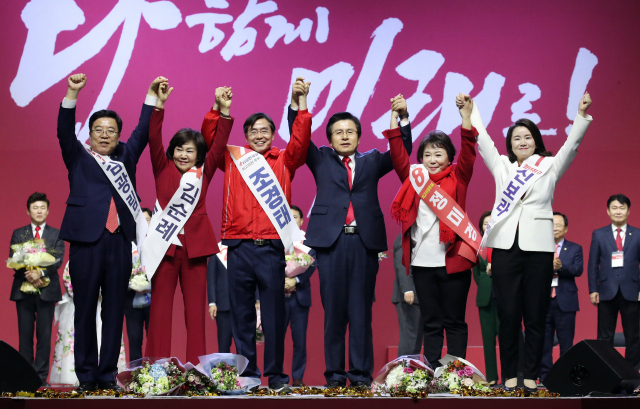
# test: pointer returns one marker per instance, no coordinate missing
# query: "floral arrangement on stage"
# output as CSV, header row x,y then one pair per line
x,y
197,384
31,255
457,374
224,371
153,377
409,374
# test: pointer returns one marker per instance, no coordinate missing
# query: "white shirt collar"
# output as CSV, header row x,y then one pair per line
x,y
614,228
33,229
561,243
352,157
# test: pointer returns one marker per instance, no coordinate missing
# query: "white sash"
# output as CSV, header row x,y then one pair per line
x,y
265,187
117,174
517,183
222,256
166,224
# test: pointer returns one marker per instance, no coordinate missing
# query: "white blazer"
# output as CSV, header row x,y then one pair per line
x,y
533,215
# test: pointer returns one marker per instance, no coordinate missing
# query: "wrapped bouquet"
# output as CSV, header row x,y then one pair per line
x,y
299,260
457,373
407,374
31,255
139,283
224,370
153,376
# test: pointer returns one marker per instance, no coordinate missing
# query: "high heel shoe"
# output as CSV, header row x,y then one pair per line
x,y
530,391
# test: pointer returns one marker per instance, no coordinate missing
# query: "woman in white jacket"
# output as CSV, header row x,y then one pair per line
x,y
520,232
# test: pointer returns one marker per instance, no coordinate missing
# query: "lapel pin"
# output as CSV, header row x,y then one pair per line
x,y
565,248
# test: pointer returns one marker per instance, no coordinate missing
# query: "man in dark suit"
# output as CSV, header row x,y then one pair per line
x,y
614,271
406,302
297,304
568,264
34,308
137,317
347,230
99,225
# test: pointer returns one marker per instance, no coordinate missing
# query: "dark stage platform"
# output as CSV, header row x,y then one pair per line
x,y
321,402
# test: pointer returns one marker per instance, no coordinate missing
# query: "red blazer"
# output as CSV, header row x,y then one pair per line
x,y
242,215
199,238
461,172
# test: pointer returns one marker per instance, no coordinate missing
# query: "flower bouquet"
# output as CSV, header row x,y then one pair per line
x,y
140,284
196,383
382,255
457,373
299,260
407,374
224,370
31,255
153,376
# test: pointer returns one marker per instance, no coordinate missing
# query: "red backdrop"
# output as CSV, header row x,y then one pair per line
x,y
529,59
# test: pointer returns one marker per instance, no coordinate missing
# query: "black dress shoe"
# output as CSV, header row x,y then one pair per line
x,y
109,386
529,391
361,385
86,387
334,384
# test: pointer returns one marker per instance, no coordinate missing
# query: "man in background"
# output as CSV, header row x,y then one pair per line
x,y
568,264
614,259
35,308
406,302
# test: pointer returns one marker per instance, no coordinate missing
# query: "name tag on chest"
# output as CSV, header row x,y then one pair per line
x,y
617,259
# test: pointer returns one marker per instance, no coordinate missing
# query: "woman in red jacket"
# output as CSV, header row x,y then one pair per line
x,y
186,256
442,277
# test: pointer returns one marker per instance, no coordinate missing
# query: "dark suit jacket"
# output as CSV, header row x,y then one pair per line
x,y
333,194
572,267
55,246
303,288
90,191
403,282
483,280
218,284
605,279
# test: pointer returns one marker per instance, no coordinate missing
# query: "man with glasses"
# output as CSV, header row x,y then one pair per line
x,y
99,225
347,230
256,255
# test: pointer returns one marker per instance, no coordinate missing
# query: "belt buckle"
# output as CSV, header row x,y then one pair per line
x,y
259,242
349,229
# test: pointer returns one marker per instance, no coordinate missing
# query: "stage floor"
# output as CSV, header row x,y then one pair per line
x,y
321,402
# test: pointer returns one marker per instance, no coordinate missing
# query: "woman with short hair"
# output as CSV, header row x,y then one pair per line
x,y
430,247
520,232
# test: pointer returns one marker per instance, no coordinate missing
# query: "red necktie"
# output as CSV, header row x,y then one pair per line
x,y
112,220
553,289
37,232
350,216
619,240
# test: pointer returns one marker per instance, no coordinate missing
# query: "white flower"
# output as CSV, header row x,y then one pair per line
x,y
468,382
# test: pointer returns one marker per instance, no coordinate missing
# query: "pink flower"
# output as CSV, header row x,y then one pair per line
x,y
468,371
461,373
408,370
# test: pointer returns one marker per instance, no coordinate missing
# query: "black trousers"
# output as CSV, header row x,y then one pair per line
x,y
250,266
348,272
104,265
137,320
443,304
522,286
630,316
32,310
562,323
297,316
225,333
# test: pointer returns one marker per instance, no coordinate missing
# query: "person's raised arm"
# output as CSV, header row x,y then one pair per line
x,y
156,148
468,134
486,147
296,153
569,149
67,118
140,135
219,134
397,157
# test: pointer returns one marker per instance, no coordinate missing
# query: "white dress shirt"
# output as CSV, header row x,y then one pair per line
x,y
352,165
622,233
33,230
425,233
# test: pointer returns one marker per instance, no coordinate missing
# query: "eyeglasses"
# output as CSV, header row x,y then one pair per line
x,y
99,131
348,132
263,132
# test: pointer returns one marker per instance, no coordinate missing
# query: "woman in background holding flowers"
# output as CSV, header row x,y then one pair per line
x,y
186,258
487,306
520,232
442,277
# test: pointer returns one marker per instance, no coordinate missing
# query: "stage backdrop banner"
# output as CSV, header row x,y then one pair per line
x,y
518,59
